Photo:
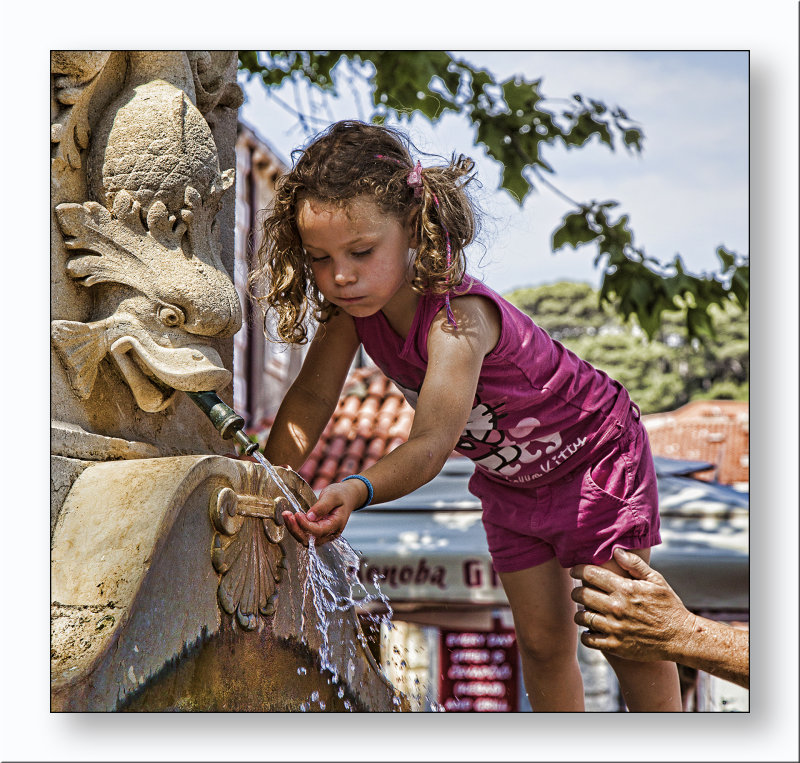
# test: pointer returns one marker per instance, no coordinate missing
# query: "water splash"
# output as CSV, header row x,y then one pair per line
x,y
331,585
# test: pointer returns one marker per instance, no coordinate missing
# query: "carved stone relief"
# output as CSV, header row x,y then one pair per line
x,y
76,76
245,551
211,88
138,574
133,541
148,233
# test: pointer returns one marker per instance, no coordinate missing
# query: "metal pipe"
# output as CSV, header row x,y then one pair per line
x,y
226,421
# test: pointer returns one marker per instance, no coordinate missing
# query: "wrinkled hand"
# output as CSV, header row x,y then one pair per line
x,y
639,618
326,519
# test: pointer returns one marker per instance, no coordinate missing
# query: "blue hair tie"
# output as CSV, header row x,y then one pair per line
x,y
370,491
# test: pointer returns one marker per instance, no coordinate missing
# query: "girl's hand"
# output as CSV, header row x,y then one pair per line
x,y
327,518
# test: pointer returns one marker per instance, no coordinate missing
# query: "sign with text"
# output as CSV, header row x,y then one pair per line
x,y
479,671
433,578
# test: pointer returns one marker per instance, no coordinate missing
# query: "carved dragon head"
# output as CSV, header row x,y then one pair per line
x,y
150,235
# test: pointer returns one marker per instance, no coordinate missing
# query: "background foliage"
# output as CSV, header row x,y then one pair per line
x,y
661,374
514,121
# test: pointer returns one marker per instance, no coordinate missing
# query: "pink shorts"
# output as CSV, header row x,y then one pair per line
x,y
579,518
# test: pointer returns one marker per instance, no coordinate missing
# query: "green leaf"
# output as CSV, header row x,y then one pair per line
x,y
633,138
616,237
584,128
480,78
574,231
515,183
521,95
320,69
727,259
405,80
649,320
248,61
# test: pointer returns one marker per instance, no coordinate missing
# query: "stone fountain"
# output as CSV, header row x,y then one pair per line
x,y
174,586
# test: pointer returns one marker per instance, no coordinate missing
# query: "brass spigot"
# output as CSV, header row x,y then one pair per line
x,y
225,420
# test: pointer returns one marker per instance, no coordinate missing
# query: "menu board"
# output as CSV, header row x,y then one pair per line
x,y
479,671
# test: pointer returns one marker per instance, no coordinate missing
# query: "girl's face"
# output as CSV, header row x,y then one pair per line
x,y
359,255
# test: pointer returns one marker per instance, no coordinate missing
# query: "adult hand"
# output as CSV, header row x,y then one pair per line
x,y
639,618
326,519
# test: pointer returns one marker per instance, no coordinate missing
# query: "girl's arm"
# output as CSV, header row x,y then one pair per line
x,y
312,398
444,405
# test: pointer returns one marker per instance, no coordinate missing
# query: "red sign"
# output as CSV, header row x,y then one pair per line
x,y
478,671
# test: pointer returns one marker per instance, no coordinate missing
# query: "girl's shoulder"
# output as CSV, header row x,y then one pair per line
x,y
472,287
516,328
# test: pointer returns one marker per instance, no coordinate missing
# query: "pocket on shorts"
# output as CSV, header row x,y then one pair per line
x,y
610,474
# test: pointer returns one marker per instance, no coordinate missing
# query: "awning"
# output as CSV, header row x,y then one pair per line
x,y
430,546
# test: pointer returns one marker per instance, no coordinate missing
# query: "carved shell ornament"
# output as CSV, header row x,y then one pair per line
x,y
246,551
150,233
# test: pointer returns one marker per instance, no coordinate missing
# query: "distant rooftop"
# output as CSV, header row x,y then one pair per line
x,y
716,431
371,420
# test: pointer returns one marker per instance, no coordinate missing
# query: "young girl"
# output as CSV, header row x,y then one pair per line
x,y
372,244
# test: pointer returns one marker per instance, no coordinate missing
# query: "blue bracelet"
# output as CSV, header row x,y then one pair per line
x,y
370,491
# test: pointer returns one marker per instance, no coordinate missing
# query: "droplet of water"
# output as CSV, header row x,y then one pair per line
x,y
301,671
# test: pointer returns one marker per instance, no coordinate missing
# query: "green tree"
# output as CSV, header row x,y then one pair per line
x,y
661,373
514,120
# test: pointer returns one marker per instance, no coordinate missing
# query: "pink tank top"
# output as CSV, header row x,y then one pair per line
x,y
539,410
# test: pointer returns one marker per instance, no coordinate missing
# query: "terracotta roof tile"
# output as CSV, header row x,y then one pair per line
x,y
351,462
371,419
716,431
376,448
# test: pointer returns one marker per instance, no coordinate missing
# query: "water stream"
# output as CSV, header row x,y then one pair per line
x,y
288,494
331,586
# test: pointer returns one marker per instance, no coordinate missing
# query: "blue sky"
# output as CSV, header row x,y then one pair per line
x,y
686,193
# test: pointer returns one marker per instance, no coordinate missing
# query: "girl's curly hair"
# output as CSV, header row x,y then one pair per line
x,y
347,160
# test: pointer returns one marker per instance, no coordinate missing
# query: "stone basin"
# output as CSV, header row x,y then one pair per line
x,y
146,615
